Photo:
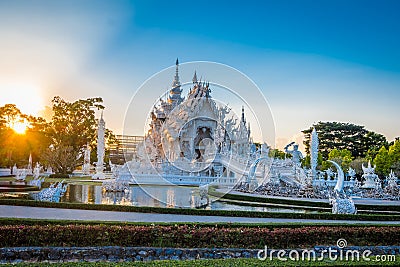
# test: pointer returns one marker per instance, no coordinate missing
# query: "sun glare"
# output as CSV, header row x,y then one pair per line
x,y
20,127
27,97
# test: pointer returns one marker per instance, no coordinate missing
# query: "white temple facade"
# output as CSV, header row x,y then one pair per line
x,y
192,140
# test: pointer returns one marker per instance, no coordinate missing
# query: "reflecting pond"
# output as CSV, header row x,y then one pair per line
x,y
156,196
151,196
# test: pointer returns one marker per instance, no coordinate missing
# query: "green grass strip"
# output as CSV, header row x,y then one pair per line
x,y
221,263
225,213
23,221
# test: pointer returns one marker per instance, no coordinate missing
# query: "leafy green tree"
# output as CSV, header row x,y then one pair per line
x,y
73,126
382,161
278,154
354,138
394,151
342,157
357,163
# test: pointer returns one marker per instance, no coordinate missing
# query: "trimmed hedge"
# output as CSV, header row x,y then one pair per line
x,y
226,213
193,236
295,202
45,222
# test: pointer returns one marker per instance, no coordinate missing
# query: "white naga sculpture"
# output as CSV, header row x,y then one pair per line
x,y
341,203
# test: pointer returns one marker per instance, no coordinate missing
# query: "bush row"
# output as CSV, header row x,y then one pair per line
x,y
193,236
185,211
294,202
271,226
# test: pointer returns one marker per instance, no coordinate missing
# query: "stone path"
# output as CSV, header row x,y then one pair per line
x,y
93,215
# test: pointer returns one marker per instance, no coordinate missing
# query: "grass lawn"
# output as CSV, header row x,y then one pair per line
x,y
223,263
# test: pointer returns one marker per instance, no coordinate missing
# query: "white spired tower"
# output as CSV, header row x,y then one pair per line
x,y
314,152
100,149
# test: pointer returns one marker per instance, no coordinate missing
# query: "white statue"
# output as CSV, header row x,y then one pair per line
x,y
86,160
341,203
29,171
14,169
36,171
351,173
297,156
264,150
392,180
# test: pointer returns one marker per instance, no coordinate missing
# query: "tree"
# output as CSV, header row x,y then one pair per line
x,y
382,161
73,126
62,159
276,153
16,148
394,151
354,138
357,165
9,115
342,157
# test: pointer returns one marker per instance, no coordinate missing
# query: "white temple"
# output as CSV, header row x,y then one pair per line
x,y
194,140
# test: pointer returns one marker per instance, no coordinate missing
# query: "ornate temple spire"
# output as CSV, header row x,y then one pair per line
x,y
194,77
174,97
243,118
176,82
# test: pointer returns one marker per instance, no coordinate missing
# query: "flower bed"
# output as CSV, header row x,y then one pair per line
x,y
192,236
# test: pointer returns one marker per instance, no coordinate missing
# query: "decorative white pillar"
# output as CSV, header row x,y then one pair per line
x,y
100,149
314,152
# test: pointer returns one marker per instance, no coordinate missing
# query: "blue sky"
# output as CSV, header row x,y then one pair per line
x,y
313,60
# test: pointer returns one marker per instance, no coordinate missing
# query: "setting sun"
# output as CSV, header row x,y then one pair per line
x,y
27,97
20,127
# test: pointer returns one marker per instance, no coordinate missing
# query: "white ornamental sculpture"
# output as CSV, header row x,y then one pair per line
x,y
392,180
341,203
86,161
370,177
100,149
30,164
36,171
351,173
314,142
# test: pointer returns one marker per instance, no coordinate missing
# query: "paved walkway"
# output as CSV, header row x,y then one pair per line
x,y
93,215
